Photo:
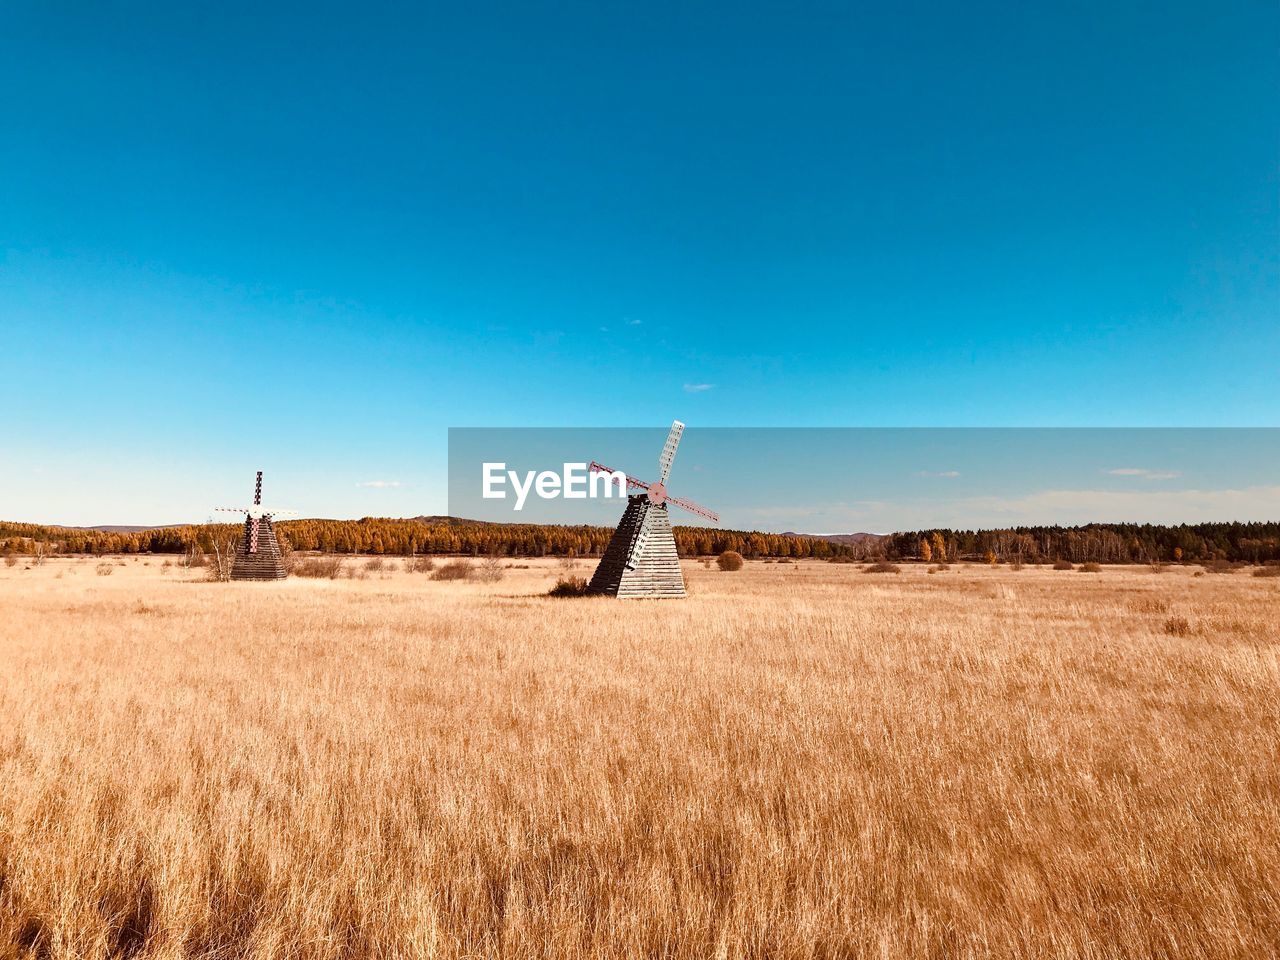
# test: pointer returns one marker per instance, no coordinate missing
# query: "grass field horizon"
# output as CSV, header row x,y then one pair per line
x,y
799,760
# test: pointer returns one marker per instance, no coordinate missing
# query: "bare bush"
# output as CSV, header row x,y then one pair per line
x,y
1177,627
327,567
419,563
374,565
1151,604
729,561
454,570
882,566
491,570
104,569
1219,566
1271,571
569,587
1063,565
1090,567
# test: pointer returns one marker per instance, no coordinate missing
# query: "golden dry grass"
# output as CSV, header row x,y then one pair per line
x,y
799,761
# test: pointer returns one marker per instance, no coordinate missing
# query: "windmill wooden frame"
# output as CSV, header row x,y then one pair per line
x,y
641,559
258,555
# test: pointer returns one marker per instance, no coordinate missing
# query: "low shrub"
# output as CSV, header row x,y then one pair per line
x,y
419,564
319,568
1219,566
1016,565
374,565
1090,567
881,566
492,569
1150,604
729,561
1063,565
569,587
1177,627
454,570
1272,571
104,569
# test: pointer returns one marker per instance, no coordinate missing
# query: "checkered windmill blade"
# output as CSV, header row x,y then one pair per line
x,y
641,559
258,556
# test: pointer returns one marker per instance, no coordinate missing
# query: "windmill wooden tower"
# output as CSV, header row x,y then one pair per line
x,y
258,553
641,559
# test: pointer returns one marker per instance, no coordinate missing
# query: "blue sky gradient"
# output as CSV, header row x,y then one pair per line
x,y
312,238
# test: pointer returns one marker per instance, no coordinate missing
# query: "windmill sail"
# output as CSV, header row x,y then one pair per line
x,y
669,451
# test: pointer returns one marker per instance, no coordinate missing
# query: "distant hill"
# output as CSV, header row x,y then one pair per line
x,y
116,528
448,521
852,539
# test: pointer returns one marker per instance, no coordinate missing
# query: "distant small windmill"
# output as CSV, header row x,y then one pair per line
x,y
641,559
258,553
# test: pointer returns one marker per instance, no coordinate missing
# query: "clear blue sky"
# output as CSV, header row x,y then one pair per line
x,y
311,239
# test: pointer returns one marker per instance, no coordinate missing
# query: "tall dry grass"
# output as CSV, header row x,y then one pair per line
x,y
798,761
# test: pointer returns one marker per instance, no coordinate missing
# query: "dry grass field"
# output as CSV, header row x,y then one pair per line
x,y
801,760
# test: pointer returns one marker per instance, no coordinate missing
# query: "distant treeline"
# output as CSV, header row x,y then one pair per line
x,y
405,537
1097,542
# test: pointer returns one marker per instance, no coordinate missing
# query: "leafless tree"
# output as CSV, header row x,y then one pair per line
x,y
224,555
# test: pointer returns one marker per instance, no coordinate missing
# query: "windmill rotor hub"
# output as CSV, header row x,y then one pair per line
x,y
658,494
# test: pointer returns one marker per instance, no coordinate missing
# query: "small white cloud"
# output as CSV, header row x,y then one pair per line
x,y
633,323
1145,474
380,484
938,473
697,387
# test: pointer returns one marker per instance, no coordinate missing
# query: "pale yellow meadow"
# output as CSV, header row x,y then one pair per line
x,y
800,760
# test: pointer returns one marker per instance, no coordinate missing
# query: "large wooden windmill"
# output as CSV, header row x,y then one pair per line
x,y
258,553
641,559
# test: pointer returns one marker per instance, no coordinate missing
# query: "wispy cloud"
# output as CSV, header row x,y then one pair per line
x,y
1144,474
380,484
697,387
938,473
633,323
